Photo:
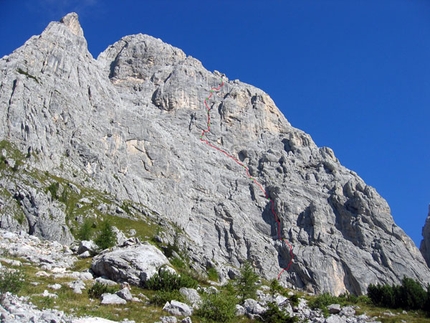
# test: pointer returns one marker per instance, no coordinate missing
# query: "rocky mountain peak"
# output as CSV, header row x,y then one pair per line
x,y
71,20
125,130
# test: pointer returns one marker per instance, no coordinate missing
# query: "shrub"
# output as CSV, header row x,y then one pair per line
x,y
11,280
427,305
106,237
161,297
275,287
168,281
409,295
322,301
245,284
98,289
217,307
275,315
294,299
84,232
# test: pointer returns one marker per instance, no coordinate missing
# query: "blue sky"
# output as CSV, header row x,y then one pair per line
x,y
353,74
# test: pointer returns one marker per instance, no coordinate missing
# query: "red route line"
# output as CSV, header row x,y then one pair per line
x,y
272,203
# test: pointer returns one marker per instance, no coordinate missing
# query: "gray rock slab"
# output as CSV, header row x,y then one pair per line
x,y
191,295
253,307
107,299
334,308
125,294
178,308
134,264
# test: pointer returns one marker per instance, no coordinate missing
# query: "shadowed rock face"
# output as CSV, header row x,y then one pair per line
x,y
425,243
128,123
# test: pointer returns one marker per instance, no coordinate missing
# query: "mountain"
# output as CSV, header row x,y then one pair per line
x,y
425,243
127,135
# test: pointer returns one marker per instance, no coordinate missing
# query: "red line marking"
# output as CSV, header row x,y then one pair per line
x,y
260,186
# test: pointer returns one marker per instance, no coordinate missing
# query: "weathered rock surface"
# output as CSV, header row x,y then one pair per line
x,y
87,246
18,310
125,294
192,296
128,123
133,264
178,308
108,299
49,255
425,243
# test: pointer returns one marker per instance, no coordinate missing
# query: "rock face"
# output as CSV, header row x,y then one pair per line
x,y
425,243
129,122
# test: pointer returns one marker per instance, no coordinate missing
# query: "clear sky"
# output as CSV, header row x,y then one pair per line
x,y
353,74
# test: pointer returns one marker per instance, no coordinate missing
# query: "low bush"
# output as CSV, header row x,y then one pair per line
x,y
322,301
161,297
217,307
294,300
98,289
11,280
168,281
275,315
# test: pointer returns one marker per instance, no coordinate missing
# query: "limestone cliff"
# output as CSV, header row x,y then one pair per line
x,y
425,243
128,124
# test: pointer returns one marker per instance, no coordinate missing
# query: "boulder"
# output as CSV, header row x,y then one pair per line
x,y
177,308
105,281
192,296
253,307
334,308
125,294
347,311
168,319
240,310
108,298
133,264
77,286
88,246
85,254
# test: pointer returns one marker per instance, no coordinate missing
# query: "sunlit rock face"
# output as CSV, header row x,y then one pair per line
x,y
129,123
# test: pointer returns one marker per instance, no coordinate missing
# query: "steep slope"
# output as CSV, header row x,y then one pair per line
x,y
129,124
425,243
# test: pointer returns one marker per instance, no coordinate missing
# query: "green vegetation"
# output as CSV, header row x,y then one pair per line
x,y
85,231
106,237
11,280
410,295
98,289
246,284
217,307
161,297
168,281
275,315
212,274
